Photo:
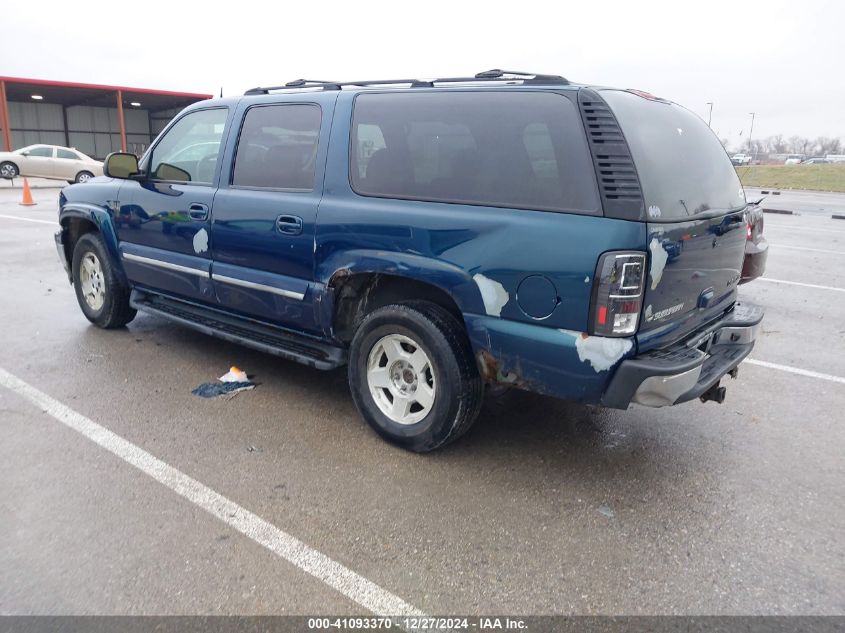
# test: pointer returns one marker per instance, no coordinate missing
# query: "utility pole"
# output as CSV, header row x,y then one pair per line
x,y
710,115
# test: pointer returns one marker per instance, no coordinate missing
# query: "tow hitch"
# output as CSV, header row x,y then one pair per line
x,y
715,393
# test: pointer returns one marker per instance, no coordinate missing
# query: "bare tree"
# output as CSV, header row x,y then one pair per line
x,y
778,144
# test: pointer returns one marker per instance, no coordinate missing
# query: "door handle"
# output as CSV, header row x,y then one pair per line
x,y
289,224
198,211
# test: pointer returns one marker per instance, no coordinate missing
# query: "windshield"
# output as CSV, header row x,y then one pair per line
x,y
684,171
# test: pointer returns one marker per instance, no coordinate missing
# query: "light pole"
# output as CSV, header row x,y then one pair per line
x,y
751,131
710,115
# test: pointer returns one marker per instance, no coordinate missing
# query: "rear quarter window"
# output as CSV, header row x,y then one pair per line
x,y
514,149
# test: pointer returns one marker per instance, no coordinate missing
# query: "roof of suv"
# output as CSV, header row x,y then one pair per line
x,y
495,76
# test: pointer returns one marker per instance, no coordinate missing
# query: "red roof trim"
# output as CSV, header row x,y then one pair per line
x,y
71,84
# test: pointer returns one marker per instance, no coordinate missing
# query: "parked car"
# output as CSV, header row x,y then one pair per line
x,y
756,246
49,161
741,159
793,159
816,160
500,230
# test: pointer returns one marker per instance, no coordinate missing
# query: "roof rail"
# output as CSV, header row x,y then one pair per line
x,y
487,75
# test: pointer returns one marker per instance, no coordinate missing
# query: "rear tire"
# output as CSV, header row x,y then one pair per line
x,y
84,176
413,377
103,298
8,170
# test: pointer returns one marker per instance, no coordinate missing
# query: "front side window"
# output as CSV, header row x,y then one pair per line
x,y
514,149
44,152
277,148
66,153
189,150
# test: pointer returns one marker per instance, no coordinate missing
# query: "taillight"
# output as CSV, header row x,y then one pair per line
x,y
618,293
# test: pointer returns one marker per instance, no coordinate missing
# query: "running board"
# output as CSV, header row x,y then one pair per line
x,y
263,337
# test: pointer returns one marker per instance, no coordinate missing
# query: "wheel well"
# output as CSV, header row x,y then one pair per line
x,y
76,228
356,295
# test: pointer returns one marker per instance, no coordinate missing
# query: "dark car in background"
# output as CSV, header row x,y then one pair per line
x,y
436,236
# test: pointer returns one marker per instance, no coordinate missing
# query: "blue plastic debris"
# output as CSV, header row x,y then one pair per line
x,y
214,389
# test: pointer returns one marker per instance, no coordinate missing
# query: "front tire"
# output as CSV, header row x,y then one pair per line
x,y
8,170
413,377
101,295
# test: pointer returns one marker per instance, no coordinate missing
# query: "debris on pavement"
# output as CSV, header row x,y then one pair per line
x,y
214,389
606,511
230,384
234,375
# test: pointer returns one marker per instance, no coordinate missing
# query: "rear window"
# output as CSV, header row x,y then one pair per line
x,y
518,149
684,171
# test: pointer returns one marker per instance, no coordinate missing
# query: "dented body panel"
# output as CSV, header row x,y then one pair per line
x,y
562,363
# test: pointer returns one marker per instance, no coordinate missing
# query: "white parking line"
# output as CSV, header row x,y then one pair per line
x,y
15,217
770,225
796,370
812,250
798,283
352,585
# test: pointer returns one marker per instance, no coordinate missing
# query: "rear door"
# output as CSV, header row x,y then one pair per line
x,y
266,211
695,212
66,164
164,221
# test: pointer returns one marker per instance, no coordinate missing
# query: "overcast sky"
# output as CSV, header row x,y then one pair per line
x,y
782,60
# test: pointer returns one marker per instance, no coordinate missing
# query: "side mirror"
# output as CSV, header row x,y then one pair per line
x,y
120,165
25,153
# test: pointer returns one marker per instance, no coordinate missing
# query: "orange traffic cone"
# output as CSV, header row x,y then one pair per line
x,y
27,195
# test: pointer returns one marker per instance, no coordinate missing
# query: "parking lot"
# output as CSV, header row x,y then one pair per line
x,y
544,507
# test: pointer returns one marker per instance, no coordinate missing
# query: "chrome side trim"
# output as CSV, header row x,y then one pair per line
x,y
290,294
162,264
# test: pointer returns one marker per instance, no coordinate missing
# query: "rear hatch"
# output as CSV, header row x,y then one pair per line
x,y
695,208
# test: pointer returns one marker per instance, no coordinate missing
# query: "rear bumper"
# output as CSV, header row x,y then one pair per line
x,y
688,370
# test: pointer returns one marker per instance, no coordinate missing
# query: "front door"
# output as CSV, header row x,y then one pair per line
x,y
264,216
164,220
38,161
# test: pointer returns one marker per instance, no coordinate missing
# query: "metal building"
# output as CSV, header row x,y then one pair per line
x,y
92,118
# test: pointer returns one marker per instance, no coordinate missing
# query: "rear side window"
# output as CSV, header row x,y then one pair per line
x,y
277,148
505,149
65,153
683,168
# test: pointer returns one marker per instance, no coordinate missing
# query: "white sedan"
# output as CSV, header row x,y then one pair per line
x,y
49,161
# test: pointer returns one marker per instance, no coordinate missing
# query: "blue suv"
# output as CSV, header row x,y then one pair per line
x,y
439,237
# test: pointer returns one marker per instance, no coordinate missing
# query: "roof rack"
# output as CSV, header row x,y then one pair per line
x,y
495,74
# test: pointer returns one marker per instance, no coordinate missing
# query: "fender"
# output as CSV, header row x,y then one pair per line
x,y
102,219
451,279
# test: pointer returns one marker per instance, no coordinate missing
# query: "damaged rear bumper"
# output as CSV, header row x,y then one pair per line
x,y
688,370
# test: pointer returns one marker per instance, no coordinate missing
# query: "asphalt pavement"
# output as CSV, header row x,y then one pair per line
x,y
544,507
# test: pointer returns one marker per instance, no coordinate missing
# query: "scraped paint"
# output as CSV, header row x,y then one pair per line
x,y
201,241
493,294
658,261
602,352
